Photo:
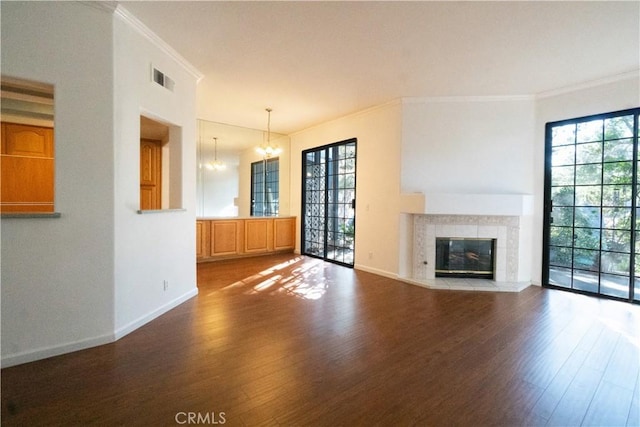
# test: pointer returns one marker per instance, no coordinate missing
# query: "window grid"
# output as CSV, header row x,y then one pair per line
x,y
328,220
591,198
265,187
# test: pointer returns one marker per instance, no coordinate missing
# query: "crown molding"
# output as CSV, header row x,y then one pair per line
x,y
388,104
105,6
465,99
635,74
146,32
630,75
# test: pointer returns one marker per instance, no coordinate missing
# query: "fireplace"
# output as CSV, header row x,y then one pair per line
x,y
503,230
504,219
465,257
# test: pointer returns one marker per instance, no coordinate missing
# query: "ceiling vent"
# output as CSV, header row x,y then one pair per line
x,y
162,79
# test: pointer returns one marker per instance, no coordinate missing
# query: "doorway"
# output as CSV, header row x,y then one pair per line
x,y
591,205
329,202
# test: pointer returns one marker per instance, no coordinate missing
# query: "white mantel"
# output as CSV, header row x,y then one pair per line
x,y
467,204
479,204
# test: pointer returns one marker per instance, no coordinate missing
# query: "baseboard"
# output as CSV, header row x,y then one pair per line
x,y
127,329
44,353
377,271
411,281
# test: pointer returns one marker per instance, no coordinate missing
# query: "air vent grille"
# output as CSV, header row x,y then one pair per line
x,y
162,79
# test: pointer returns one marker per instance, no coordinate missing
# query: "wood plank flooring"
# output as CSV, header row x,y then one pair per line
x,y
289,340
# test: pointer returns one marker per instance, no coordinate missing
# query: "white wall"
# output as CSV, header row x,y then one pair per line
x,y
618,93
151,248
468,145
378,131
58,273
97,272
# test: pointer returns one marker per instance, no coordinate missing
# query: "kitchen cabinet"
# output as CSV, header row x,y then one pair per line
x,y
224,238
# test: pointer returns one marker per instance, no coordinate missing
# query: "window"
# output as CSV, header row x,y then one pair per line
x,y
592,204
264,187
27,156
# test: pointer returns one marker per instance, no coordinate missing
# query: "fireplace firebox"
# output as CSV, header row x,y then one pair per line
x,y
465,257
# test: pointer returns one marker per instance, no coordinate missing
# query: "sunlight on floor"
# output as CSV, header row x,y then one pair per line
x,y
248,280
267,283
305,281
617,326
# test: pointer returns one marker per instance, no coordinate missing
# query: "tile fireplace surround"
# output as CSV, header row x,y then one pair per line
x,y
504,225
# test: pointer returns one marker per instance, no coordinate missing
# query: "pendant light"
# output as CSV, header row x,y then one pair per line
x,y
267,150
216,165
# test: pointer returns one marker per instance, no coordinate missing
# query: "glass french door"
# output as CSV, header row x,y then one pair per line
x,y
592,221
328,202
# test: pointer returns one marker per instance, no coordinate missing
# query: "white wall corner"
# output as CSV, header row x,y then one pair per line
x,y
147,33
143,320
377,271
104,5
629,75
55,350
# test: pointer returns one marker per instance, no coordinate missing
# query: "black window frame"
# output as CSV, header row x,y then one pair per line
x,y
265,178
634,207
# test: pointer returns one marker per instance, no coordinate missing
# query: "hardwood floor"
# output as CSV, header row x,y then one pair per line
x,y
289,340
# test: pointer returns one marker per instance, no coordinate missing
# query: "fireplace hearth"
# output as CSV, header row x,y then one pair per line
x,y
465,257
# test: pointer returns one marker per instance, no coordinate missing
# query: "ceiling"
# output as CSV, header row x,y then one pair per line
x,y
316,61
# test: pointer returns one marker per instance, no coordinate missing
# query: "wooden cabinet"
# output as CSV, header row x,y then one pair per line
x,y
284,233
231,238
225,237
26,140
256,235
202,239
27,165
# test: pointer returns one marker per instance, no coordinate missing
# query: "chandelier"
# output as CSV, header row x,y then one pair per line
x,y
267,150
216,165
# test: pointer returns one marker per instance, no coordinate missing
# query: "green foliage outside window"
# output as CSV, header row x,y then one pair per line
x,y
592,182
